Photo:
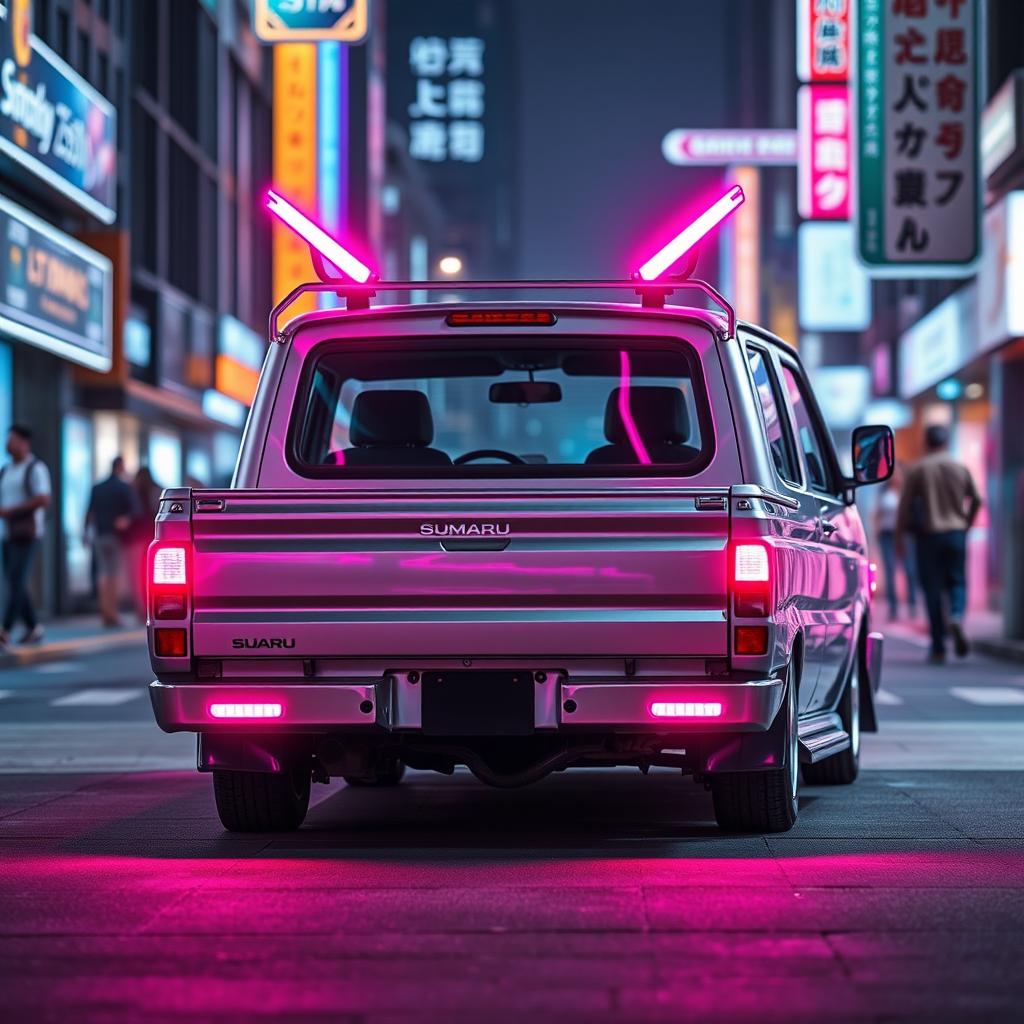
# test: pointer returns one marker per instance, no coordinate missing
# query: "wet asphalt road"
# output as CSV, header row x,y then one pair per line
x,y
593,896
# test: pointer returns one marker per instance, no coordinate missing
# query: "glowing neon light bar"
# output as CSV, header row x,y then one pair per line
x,y
315,235
664,258
245,710
686,709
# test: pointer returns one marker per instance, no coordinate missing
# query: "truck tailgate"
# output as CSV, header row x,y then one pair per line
x,y
441,573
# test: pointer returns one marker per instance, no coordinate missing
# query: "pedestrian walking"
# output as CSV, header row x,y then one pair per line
x,y
938,506
886,512
113,508
24,497
147,492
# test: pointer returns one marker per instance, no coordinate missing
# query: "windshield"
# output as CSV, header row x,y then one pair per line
x,y
499,406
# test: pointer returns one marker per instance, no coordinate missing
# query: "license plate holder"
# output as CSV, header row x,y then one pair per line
x,y
468,703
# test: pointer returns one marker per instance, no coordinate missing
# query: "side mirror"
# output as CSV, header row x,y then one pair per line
x,y
874,454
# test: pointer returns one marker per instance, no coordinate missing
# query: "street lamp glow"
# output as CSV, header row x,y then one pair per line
x,y
666,257
331,250
450,265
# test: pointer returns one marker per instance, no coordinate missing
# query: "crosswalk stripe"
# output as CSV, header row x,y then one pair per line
x,y
54,667
99,698
990,696
887,698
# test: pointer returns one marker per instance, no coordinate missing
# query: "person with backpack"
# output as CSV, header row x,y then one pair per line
x,y
24,497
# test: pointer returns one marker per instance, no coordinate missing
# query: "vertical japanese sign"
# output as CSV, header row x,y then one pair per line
x,y
823,40
295,156
446,116
823,166
918,94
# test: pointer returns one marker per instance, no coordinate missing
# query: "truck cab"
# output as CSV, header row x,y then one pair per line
x,y
521,537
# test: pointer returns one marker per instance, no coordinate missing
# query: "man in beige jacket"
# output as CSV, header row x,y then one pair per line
x,y
938,506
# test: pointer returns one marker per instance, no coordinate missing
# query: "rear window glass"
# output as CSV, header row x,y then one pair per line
x,y
496,407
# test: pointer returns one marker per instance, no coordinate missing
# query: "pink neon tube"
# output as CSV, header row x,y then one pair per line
x,y
315,235
626,414
664,258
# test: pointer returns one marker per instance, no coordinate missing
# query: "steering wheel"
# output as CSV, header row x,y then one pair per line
x,y
489,453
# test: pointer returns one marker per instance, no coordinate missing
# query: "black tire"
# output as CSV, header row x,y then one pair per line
x,y
841,769
260,801
389,775
762,801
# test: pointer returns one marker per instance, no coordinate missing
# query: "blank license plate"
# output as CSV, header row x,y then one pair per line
x,y
477,703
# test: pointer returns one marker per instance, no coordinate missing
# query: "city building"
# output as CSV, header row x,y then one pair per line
x,y
155,352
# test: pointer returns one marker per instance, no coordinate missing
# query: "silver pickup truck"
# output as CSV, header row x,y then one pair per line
x,y
522,537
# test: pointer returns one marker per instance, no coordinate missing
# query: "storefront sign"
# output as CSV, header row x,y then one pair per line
x,y
54,291
823,170
311,21
919,195
52,121
1001,278
843,393
823,40
240,352
1001,127
939,344
446,116
834,290
719,146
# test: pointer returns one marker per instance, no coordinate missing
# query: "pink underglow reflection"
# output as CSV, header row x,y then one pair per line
x,y
670,254
626,414
329,248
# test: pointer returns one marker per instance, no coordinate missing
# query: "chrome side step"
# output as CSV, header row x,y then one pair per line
x,y
822,736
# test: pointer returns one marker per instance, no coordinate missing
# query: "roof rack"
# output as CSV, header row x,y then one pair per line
x,y
357,296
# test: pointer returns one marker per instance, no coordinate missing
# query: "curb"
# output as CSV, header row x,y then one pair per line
x,y
23,657
1001,648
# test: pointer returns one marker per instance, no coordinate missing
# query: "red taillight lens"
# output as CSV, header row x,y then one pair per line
x,y
750,563
170,643
169,566
169,606
501,318
751,581
751,640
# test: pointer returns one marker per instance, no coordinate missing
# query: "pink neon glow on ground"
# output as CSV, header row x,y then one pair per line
x,y
265,710
328,247
670,254
686,709
626,413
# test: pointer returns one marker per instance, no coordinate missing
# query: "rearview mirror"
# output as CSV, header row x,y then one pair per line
x,y
874,454
526,392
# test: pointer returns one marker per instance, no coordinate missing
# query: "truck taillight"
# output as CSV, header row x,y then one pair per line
x,y
751,581
168,580
169,568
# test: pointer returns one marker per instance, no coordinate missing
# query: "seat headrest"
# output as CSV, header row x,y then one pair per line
x,y
659,413
391,419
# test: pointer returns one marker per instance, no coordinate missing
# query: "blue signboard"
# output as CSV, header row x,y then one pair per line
x,y
312,21
54,291
52,121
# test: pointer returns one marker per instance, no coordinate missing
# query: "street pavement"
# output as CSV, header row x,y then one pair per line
x,y
593,896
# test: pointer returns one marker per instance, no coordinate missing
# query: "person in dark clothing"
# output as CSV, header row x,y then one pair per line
x,y
938,506
24,496
113,508
147,491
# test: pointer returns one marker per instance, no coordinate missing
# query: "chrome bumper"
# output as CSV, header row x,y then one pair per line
x,y
394,705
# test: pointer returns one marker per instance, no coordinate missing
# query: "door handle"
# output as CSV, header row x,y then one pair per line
x,y
827,526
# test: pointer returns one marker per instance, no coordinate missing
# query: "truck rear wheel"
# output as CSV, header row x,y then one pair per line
x,y
260,801
762,801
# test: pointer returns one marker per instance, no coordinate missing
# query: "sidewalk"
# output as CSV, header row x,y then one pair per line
x,y
69,637
984,630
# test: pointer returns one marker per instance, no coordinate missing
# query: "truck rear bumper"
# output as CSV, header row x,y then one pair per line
x,y
393,705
